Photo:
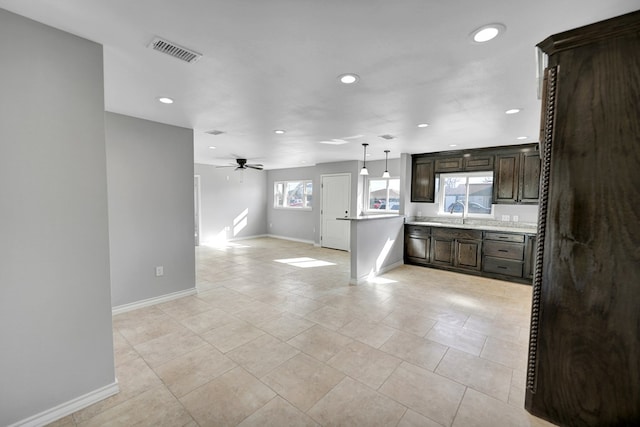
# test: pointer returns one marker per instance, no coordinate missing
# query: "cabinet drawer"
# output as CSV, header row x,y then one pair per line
x,y
504,237
456,233
504,250
417,230
502,266
453,164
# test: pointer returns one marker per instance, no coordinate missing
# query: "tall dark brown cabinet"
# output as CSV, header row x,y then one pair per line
x,y
584,359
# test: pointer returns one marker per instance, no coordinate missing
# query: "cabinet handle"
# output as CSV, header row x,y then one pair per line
x,y
502,267
502,250
502,237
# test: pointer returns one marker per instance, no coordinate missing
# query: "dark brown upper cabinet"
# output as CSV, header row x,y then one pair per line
x,y
449,164
516,177
516,171
464,163
423,179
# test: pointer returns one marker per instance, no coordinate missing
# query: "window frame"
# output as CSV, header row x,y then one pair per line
x,y
306,206
442,211
368,196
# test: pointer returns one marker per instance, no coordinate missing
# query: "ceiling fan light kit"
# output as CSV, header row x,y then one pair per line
x,y
241,164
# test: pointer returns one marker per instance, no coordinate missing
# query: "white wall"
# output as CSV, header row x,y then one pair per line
x,y
150,188
233,203
55,307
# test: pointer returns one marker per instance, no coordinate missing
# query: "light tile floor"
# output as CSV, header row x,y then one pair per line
x,y
277,337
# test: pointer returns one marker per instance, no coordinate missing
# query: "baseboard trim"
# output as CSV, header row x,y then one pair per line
x,y
152,301
292,239
257,236
365,279
68,408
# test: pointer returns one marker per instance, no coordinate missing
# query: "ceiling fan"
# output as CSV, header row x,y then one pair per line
x,y
242,164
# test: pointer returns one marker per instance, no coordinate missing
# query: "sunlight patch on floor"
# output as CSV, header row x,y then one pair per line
x,y
305,262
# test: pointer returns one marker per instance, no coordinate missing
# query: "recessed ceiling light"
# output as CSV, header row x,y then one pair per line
x,y
423,125
212,147
513,111
348,78
487,32
453,145
280,131
522,137
165,100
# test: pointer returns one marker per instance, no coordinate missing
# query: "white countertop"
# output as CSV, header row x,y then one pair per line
x,y
525,229
370,217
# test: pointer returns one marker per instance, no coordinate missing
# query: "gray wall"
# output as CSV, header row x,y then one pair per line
x,y
293,223
228,197
150,187
55,308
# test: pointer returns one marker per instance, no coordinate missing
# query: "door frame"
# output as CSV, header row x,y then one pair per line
x,y
322,177
197,198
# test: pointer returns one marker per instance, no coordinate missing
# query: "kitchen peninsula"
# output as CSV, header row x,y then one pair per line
x,y
376,245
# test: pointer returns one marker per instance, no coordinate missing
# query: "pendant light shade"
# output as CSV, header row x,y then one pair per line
x,y
386,169
364,170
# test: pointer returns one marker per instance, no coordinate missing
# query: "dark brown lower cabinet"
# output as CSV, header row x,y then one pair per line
x,y
417,244
507,256
456,248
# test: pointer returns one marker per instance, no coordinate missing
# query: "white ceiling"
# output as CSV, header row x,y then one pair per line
x,y
273,64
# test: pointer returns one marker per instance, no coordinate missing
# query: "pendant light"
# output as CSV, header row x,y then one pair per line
x,y
364,170
386,169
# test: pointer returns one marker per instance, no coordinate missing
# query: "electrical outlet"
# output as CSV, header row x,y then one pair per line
x,y
515,218
506,217
159,271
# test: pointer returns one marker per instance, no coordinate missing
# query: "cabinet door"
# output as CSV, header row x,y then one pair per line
x,y
529,257
505,178
417,249
451,164
441,251
529,177
467,254
422,180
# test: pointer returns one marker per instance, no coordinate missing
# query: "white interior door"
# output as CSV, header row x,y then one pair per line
x,y
336,202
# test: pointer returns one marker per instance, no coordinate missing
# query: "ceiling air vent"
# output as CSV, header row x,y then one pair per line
x,y
387,136
174,50
215,132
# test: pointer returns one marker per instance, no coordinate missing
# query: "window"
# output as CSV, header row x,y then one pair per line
x,y
384,194
293,194
466,194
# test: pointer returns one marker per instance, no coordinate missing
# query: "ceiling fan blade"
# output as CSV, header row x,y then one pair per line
x,y
256,166
228,166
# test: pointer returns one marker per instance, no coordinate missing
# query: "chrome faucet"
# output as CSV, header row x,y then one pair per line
x,y
454,204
